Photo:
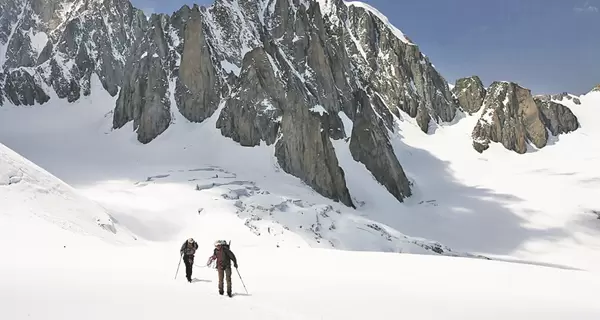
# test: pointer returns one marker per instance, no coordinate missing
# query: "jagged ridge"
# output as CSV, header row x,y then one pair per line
x,y
512,116
283,71
52,47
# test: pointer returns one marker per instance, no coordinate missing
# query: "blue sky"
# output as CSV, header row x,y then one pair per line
x,y
549,46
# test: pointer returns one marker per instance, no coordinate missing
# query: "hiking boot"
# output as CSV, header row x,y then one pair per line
x,y
229,294
220,292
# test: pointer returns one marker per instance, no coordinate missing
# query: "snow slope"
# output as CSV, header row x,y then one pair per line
x,y
158,190
66,275
538,206
534,207
32,200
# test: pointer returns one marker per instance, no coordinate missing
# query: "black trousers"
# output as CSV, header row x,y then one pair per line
x,y
189,264
224,273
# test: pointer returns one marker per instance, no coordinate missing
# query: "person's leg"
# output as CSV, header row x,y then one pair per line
x,y
228,278
191,266
188,268
220,271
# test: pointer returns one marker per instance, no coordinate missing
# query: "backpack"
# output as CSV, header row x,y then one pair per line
x,y
190,248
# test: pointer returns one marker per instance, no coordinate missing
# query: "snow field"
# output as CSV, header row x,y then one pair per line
x,y
514,210
124,282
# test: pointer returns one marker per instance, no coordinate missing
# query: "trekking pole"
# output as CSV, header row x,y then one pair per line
x,y
180,257
238,272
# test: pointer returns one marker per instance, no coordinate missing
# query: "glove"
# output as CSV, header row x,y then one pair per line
x,y
235,265
210,260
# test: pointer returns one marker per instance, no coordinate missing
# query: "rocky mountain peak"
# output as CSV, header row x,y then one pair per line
x,y
470,93
596,88
556,117
52,47
511,117
517,120
284,73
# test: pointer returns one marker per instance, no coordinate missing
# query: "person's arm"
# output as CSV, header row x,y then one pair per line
x,y
233,258
212,258
181,249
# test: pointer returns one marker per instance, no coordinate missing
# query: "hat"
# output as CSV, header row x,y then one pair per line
x,y
220,242
190,240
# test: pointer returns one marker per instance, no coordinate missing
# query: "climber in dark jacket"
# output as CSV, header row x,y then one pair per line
x,y
224,256
188,249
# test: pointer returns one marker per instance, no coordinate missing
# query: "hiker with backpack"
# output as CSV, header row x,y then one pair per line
x,y
223,256
188,249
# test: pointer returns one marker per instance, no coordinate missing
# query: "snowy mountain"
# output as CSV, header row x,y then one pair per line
x,y
294,74
254,61
51,47
261,210
292,97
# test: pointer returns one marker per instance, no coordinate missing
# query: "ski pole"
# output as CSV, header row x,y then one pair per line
x,y
238,272
180,257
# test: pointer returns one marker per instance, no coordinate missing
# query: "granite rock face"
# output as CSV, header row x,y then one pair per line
x,y
254,113
559,97
470,93
145,97
370,145
59,44
22,89
307,71
198,88
514,118
556,117
511,117
306,152
394,67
